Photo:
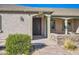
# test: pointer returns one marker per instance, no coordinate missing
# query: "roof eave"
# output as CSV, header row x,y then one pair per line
x,y
22,11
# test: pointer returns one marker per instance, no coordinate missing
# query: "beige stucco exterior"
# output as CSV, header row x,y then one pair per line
x,y
12,23
16,19
76,26
44,26
59,24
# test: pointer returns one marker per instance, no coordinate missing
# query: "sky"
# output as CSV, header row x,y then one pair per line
x,y
52,5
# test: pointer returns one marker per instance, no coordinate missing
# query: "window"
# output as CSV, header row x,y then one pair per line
x,y
69,26
52,24
63,26
22,19
1,24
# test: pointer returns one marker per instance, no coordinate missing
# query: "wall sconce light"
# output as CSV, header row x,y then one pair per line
x,y
22,19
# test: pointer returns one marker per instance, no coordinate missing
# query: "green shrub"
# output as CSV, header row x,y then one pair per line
x,y
69,44
18,44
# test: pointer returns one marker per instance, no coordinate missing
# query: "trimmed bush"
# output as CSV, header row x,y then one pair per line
x,y
18,44
69,44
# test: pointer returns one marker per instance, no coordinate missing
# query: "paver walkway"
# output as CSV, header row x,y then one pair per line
x,y
49,47
43,46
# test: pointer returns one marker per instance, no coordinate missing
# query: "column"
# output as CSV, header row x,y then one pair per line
x,y
31,23
66,25
48,26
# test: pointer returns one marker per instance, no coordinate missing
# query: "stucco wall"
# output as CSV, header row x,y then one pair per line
x,y
43,22
59,24
12,23
76,26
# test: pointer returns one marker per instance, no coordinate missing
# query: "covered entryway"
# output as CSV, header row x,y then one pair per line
x,y
39,26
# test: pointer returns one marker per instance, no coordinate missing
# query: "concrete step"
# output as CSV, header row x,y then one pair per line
x,y
2,42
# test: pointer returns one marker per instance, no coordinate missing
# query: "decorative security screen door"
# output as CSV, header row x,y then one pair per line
x,y
36,26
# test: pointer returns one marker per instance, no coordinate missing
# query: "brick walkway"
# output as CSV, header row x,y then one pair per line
x,y
50,48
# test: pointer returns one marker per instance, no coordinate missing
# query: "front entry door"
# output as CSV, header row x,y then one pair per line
x,y
36,26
